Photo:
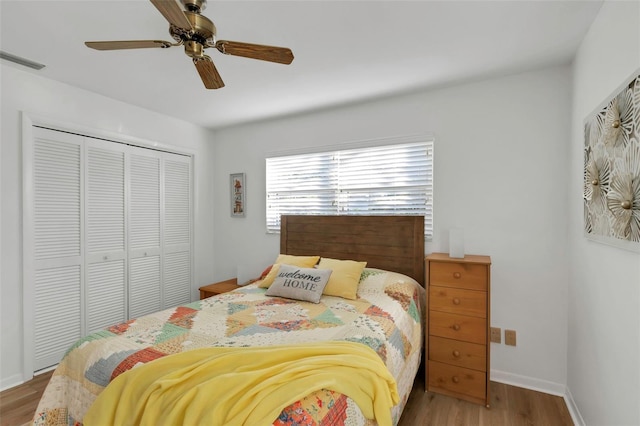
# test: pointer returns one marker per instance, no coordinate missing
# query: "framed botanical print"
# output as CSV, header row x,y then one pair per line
x,y
612,168
238,190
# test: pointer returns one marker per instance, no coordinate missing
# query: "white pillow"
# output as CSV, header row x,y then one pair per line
x,y
298,283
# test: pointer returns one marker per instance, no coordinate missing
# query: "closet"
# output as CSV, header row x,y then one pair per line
x,y
107,236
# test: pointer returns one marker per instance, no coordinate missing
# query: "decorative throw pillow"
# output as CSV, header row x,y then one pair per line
x,y
298,283
344,278
286,259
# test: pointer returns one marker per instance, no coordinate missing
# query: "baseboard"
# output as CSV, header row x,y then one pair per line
x,y
573,409
545,386
528,383
11,382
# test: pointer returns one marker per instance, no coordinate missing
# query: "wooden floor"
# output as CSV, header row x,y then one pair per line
x,y
17,405
510,406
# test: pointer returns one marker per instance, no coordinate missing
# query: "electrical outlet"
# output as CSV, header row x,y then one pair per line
x,y
510,337
496,335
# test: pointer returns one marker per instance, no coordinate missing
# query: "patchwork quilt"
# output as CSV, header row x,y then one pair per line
x,y
386,317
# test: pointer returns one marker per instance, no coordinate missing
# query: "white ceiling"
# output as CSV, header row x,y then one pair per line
x,y
345,51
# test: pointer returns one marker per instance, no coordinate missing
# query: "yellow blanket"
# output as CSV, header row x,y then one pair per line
x,y
244,386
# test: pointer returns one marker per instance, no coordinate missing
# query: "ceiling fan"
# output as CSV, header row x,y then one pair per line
x,y
197,33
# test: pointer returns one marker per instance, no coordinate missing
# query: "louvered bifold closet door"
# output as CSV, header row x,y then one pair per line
x,y
105,234
54,236
177,229
145,277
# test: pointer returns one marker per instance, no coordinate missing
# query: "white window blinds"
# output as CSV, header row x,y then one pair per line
x,y
394,179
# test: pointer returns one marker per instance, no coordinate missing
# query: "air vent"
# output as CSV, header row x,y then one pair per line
x,y
20,61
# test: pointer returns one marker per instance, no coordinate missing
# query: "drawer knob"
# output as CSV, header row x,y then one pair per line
x,y
457,275
456,301
456,354
455,379
456,327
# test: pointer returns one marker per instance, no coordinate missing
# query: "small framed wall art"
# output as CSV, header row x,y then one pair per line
x,y
612,168
238,190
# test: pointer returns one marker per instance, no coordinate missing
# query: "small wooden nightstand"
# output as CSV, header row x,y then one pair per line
x,y
218,288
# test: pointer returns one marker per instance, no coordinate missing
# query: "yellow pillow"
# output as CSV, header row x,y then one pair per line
x,y
344,278
287,259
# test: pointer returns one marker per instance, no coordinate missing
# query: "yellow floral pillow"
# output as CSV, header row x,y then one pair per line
x,y
345,277
287,259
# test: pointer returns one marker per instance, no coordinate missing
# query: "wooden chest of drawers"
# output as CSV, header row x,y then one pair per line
x,y
457,332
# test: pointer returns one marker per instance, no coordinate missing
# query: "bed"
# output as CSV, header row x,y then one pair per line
x,y
385,317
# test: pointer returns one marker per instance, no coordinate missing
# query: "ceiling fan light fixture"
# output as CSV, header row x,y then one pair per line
x,y
196,33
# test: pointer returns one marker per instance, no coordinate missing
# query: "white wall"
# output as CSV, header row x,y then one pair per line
x,y
25,91
604,286
501,156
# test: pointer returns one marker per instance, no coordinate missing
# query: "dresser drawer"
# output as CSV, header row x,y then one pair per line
x,y
460,275
457,301
459,327
463,382
455,352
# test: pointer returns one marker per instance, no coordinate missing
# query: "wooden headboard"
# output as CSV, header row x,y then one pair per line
x,y
393,243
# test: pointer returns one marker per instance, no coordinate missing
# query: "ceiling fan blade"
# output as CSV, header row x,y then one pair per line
x,y
208,72
281,55
127,44
172,13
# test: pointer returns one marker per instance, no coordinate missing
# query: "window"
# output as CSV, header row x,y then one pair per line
x,y
390,179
